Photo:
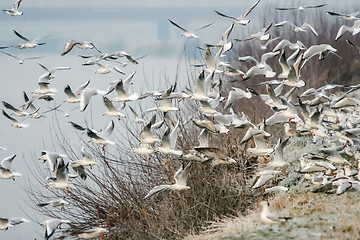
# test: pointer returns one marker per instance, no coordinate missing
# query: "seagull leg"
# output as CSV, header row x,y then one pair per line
x,y
67,190
103,148
102,236
147,161
13,178
90,166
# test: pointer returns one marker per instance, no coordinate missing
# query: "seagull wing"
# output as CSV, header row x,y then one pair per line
x,y
82,87
157,190
108,104
69,92
21,36
9,106
108,130
77,126
16,5
10,55
8,117
181,175
250,9
223,15
316,6
7,162
176,25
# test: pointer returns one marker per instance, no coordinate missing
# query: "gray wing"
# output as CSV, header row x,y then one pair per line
x,y
157,190
77,126
82,87
250,9
7,162
8,117
20,36
69,92
108,131
80,170
108,104
176,25
9,106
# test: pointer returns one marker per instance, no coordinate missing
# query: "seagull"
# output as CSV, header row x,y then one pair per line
x,y
17,112
28,44
29,104
86,95
137,119
21,60
61,179
103,137
301,28
292,46
322,50
165,101
52,160
15,122
49,74
102,69
113,112
83,45
240,20
264,177
122,89
346,16
215,155
53,203
7,171
146,136
168,141
7,223
14,11
92,233
260,148
235,94
71,96
261,68
186,33
87,159
355,29
51,225
261,35
268,217
180,177
300,8
279,155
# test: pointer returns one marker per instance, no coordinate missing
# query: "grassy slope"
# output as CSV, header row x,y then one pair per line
x,y
314,215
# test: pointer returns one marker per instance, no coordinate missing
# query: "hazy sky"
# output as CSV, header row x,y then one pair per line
x,y
136,26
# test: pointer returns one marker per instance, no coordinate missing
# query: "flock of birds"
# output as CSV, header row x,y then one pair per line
x,y
331,119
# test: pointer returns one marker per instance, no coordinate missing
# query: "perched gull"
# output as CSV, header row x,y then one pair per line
x,y
7,171
186,33
301,28
15,123
14,11
268,217
180,177
240,20
92,233
83,45
51,225
300,8
21,60
6,223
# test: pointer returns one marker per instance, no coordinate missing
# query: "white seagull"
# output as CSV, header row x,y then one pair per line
x,y
300,8
186,33
15,123
113,111
101,138
21,60
241,20
168,141
355,29
180,177
49,74
268,217
6,223
86,95
28,44
14,11
301,28
51,225
82,45
122,88
7,171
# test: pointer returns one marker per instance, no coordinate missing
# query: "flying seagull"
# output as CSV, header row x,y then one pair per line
x,y
186,33
241,20
14,11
